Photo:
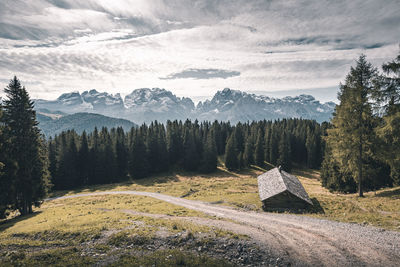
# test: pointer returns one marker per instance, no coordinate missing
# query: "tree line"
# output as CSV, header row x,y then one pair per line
x,y
363,143
108,156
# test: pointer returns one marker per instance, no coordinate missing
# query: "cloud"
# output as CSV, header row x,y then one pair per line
x,y
202,74
203,45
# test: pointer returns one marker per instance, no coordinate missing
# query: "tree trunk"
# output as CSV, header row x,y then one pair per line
x,y
360,170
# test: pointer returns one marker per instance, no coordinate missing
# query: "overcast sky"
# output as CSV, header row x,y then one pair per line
x,y
192,48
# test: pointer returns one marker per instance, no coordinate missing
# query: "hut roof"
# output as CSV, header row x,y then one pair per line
x,y
274,182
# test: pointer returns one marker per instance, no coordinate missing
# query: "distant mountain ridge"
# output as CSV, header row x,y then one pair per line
x,y
54,123
145,105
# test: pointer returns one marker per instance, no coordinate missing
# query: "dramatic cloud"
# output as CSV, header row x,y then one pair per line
x,y
192,48
202,74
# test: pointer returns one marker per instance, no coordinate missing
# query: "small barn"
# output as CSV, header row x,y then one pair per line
x,y
280,190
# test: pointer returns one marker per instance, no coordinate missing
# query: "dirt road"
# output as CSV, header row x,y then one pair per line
x,y
300,240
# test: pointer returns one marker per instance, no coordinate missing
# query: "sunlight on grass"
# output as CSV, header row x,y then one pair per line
x,y
241,190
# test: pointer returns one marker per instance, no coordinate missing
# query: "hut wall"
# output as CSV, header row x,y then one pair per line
x,y
284,201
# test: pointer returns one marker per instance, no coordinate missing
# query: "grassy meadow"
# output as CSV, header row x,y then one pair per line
x,y
93,229
380,208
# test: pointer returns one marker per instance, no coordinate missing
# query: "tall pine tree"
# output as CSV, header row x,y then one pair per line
x,y
352,137
389,130
231,154
259,151
26,148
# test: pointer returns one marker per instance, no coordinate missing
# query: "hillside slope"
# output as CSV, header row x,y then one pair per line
x,y
51,124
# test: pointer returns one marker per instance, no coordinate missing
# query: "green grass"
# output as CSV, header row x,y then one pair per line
x,y
240,190
60,230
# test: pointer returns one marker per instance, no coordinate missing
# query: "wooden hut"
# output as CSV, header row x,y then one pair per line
x,y
280,190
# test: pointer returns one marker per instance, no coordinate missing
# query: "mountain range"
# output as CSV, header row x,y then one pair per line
x,y
145,105
52,123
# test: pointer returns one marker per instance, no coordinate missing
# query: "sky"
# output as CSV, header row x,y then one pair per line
x,y
193,48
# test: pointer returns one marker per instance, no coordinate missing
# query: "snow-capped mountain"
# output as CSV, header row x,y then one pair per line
x,y
101,101
88,101
145,105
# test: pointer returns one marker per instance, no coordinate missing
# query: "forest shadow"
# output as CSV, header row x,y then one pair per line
x,y
307,173
389,193
4,225
166,177
147,181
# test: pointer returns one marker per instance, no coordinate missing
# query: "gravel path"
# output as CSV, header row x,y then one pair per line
x,y
300,240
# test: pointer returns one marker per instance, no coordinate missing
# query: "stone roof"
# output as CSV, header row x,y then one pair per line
x,y
274,182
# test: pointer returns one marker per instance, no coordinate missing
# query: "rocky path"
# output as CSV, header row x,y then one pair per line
x,y
301,240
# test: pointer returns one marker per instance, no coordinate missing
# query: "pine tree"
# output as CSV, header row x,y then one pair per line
x,y
267,144
174,142
284,153
109,163
190,153
389,92
5,183
138,161
259,151
95,159
248,156
352,137
312,153
389,130
121,153
67,171
231,154
84,160
163,160
52,158
209,159
274,145
26,148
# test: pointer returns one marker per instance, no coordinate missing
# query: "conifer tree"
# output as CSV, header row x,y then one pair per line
x,y
190,153
267,145
389,130
259,151
138,162
67,174
152,147
284,153
163,160
26,148
52,158
231,154
274,145
174,142
109,160
209,159
248,156
5,183
312,153
84,160
121,154
352,137
95,158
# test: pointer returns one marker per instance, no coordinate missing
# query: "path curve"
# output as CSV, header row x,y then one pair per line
x,y
300,239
